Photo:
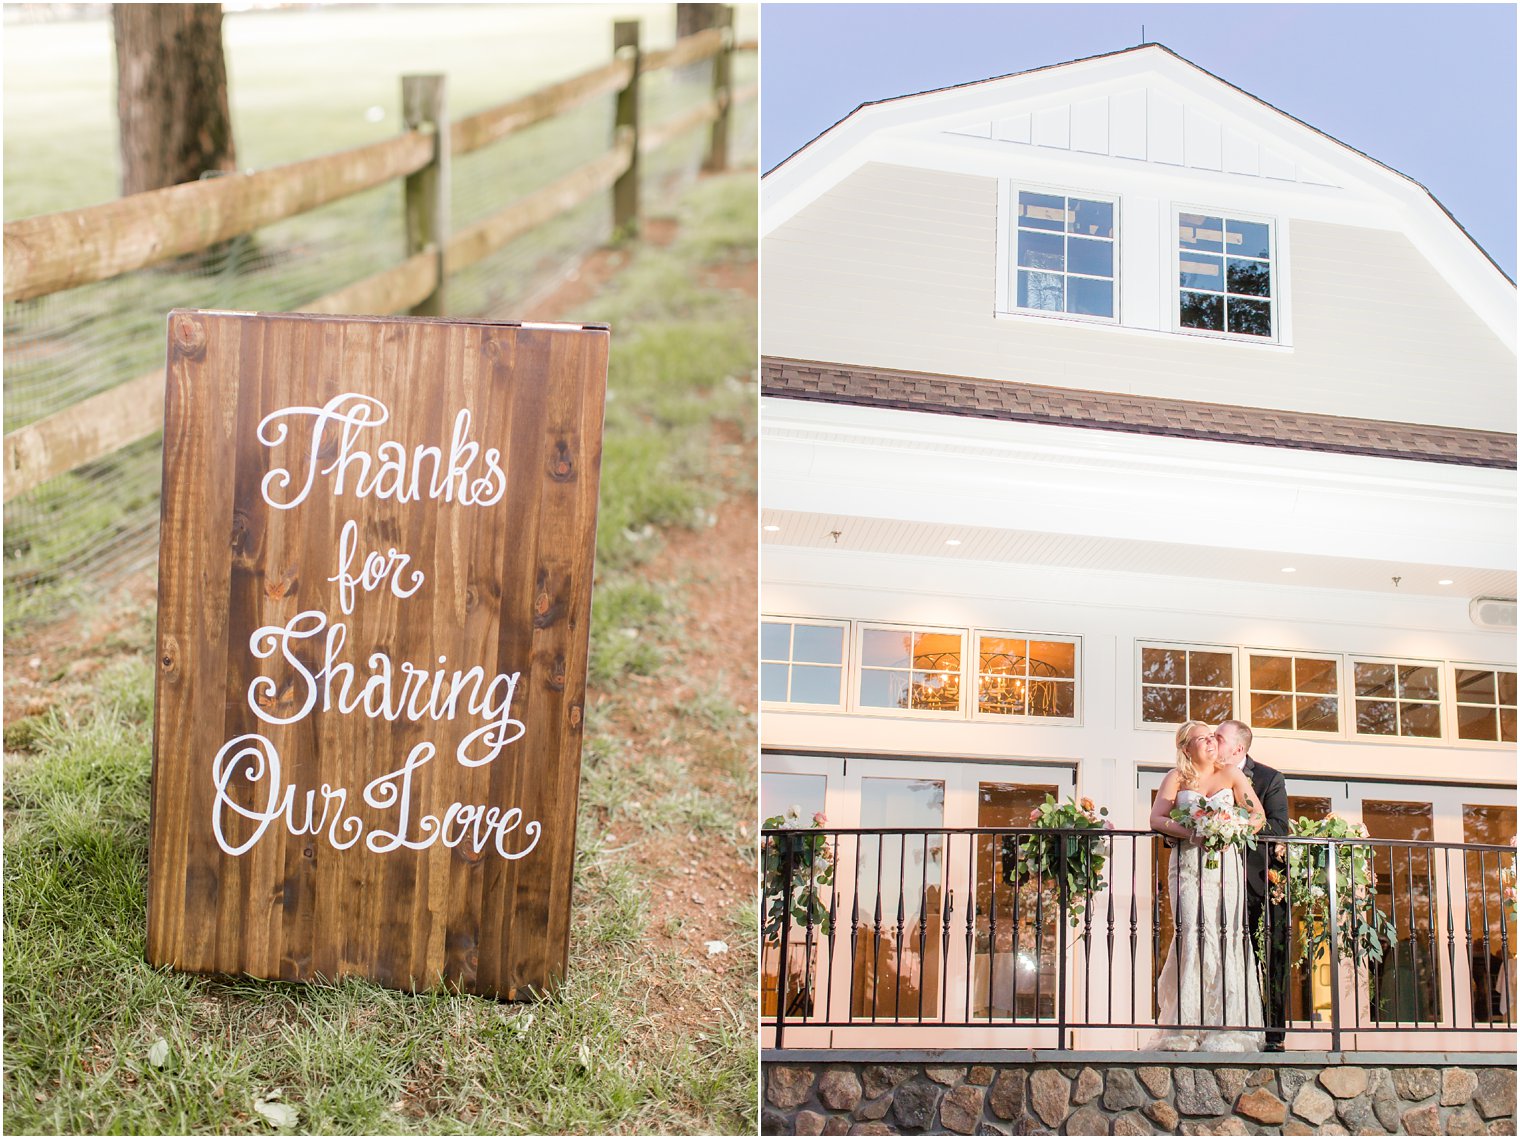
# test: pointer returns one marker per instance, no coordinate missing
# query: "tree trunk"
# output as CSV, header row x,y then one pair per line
x,y
171,94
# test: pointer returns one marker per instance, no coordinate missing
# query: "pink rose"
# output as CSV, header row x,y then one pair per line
x,y
819,818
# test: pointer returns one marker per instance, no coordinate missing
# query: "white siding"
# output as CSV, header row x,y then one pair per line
x,y
896,267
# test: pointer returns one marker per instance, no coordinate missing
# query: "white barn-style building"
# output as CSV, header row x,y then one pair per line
x,y
1095,398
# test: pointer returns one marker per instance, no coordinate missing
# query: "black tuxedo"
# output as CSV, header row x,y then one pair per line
x,y
1268,784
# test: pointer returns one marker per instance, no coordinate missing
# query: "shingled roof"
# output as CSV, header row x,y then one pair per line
x,y
1143,415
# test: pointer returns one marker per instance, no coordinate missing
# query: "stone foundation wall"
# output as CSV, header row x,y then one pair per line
x,y
819,1097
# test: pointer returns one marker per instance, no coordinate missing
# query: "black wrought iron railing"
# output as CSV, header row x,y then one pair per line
x,y
948,929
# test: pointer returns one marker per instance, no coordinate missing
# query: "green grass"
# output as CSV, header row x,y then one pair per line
x,y
84,1013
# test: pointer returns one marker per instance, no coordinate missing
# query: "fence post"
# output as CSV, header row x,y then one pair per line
x,y
717,147
426,193
625,191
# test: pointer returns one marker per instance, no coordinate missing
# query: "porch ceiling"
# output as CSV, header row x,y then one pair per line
x,y
918,539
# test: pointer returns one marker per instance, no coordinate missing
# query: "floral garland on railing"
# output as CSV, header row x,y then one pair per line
x,y
1364,932
1036,859
812,867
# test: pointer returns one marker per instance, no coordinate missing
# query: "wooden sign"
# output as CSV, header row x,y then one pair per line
x,y
374,600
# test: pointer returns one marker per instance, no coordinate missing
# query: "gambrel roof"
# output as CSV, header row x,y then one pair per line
x,y
1156,116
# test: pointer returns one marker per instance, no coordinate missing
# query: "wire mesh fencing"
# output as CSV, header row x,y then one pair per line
x,y
81,532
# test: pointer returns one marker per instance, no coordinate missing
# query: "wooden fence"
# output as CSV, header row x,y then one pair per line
x,y
53,252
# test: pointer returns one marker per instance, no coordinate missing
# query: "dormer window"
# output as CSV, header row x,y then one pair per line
x,y
1064,254
1224,275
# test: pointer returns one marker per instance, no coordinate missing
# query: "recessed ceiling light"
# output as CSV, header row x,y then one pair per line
x,y
952,541
1290,569
1444,581
772,529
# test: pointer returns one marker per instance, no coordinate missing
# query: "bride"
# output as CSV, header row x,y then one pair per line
x,y
1210,973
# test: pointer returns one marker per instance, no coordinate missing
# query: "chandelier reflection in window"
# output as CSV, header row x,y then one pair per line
x,y
1016,677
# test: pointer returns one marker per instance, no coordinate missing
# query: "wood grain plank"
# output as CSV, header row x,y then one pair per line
x,y
354,833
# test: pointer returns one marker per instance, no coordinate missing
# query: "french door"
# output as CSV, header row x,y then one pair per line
x,y
927,937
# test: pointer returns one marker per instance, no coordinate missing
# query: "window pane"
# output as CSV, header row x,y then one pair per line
x,y
1212,670
774,640
1376,718
815,684
883,689
1163,705
1271,711
1271,674
1052,658
1373,679
1052,698
1003,655
1200,310
1422,720
1318,714
1418,682
1475,686
1210,707
1090,298
1507,725
1096,219
937,651
1194,272
773,682
1506,688
1477,723
886,648
1163,666
1198,232
1042,211
819,644
936,691
1314,675
1041,290
1254,278
1094,258
1250,318
1041,250
1248,238
781,791
1002,696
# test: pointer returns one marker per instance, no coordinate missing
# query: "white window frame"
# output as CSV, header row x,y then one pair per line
x,y
975,659
1449,697
857,673
1443,698
1243,702
844,664
1007,260
1275,262
1142,644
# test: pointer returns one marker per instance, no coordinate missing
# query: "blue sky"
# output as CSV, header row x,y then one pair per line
x,y
1428,89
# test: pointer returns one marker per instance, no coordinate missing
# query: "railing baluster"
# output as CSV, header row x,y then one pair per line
x,y
1111,934
1332,921
805,997
902,890
876,943
786,936
1087,936
996,850
1467,938
855,929
1451,937
923,929
1507,989
1414,939
1134,925
1488,953
828,997
1063,902
1013,1004
944,955
970,938
1039,948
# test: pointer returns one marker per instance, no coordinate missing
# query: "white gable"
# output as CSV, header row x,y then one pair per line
x,y
1147,122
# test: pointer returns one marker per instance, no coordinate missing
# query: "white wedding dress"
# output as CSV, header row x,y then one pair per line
x,y
1210,972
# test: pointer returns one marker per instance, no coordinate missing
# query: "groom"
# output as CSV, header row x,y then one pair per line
x,y
1234,751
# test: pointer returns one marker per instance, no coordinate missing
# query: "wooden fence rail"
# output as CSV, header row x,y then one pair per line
x,y
53,252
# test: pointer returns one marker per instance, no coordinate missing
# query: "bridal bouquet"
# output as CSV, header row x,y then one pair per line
x,y
1220,828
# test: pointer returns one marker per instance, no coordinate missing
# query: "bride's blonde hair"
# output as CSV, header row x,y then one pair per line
x,y
1185,767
